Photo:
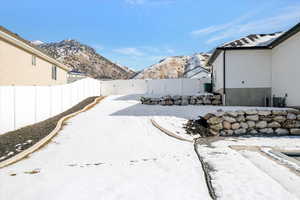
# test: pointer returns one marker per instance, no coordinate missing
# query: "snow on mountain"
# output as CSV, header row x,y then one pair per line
x,y
83,58
170,67
37,42
177,67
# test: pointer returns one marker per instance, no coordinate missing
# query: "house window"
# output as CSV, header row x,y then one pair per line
x,y
33,60
54,72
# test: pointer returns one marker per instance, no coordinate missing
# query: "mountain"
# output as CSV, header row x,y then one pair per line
x,y
85,59
176,67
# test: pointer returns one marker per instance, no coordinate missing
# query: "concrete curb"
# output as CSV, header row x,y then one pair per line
x,y
46,139
206,174
169,133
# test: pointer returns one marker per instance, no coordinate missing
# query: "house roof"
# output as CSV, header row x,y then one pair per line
x,y
255,41
20,42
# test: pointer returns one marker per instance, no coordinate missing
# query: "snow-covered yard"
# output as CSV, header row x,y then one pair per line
x,y
114,152
248,173
109,152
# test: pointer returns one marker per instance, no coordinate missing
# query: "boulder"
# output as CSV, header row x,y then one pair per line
x,y
240,112
251,124
229,119
274,125
264,113
229,132
227,125
291,124
214,120
244,125
291,116
266,131
264,118
281,131
241,118
261,124
279,119
208,116
217,127
252,117
235,126
232,113
279,112
294,111
216,102
251,112
253,132
295,131
207,101
213,132
240,131
219,114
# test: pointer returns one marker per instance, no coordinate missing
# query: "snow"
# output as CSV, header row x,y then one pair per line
x,y
259,40
114,152
108,152
174,125
37,42
250,175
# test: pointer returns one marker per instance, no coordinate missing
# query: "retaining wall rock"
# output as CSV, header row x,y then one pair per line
x,y
205,99
252,122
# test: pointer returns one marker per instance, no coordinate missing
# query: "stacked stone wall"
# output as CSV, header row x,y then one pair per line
x,y
208,99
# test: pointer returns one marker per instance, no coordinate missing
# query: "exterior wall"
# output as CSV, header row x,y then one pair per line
x,y
248,69
218,74
247,96
16,68
286,70
248,77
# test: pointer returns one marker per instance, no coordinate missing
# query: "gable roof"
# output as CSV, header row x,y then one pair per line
x,y
255,41
20,42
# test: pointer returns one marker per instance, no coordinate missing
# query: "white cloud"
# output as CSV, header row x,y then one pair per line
x,y
243,26
129,51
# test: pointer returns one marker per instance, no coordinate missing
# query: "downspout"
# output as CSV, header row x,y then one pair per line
x,y
224,77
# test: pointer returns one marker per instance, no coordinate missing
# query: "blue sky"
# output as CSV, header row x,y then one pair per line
x,y
138,33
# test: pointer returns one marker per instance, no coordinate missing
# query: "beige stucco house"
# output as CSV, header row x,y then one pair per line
x,y
21,63
253,70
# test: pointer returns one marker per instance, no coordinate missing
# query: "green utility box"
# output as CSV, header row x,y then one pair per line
x,y
208,87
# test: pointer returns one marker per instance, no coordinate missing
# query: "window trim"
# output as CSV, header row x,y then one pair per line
x,y
33,60
54,72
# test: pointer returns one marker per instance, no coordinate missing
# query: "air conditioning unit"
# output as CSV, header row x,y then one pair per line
x,y
279,102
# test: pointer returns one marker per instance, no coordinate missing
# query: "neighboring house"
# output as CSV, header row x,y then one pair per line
x,y
21,63
75,76
250,71
197,72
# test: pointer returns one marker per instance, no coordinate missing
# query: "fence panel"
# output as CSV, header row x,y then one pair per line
x,y
6,109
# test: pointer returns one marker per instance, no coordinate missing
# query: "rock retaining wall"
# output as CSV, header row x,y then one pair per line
x,y
207,99
254,122
247,122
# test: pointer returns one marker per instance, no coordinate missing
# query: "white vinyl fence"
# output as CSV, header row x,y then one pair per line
x,y
24,105
156,87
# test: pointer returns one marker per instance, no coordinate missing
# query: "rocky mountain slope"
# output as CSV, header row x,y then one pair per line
x,y
85,59
175,67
